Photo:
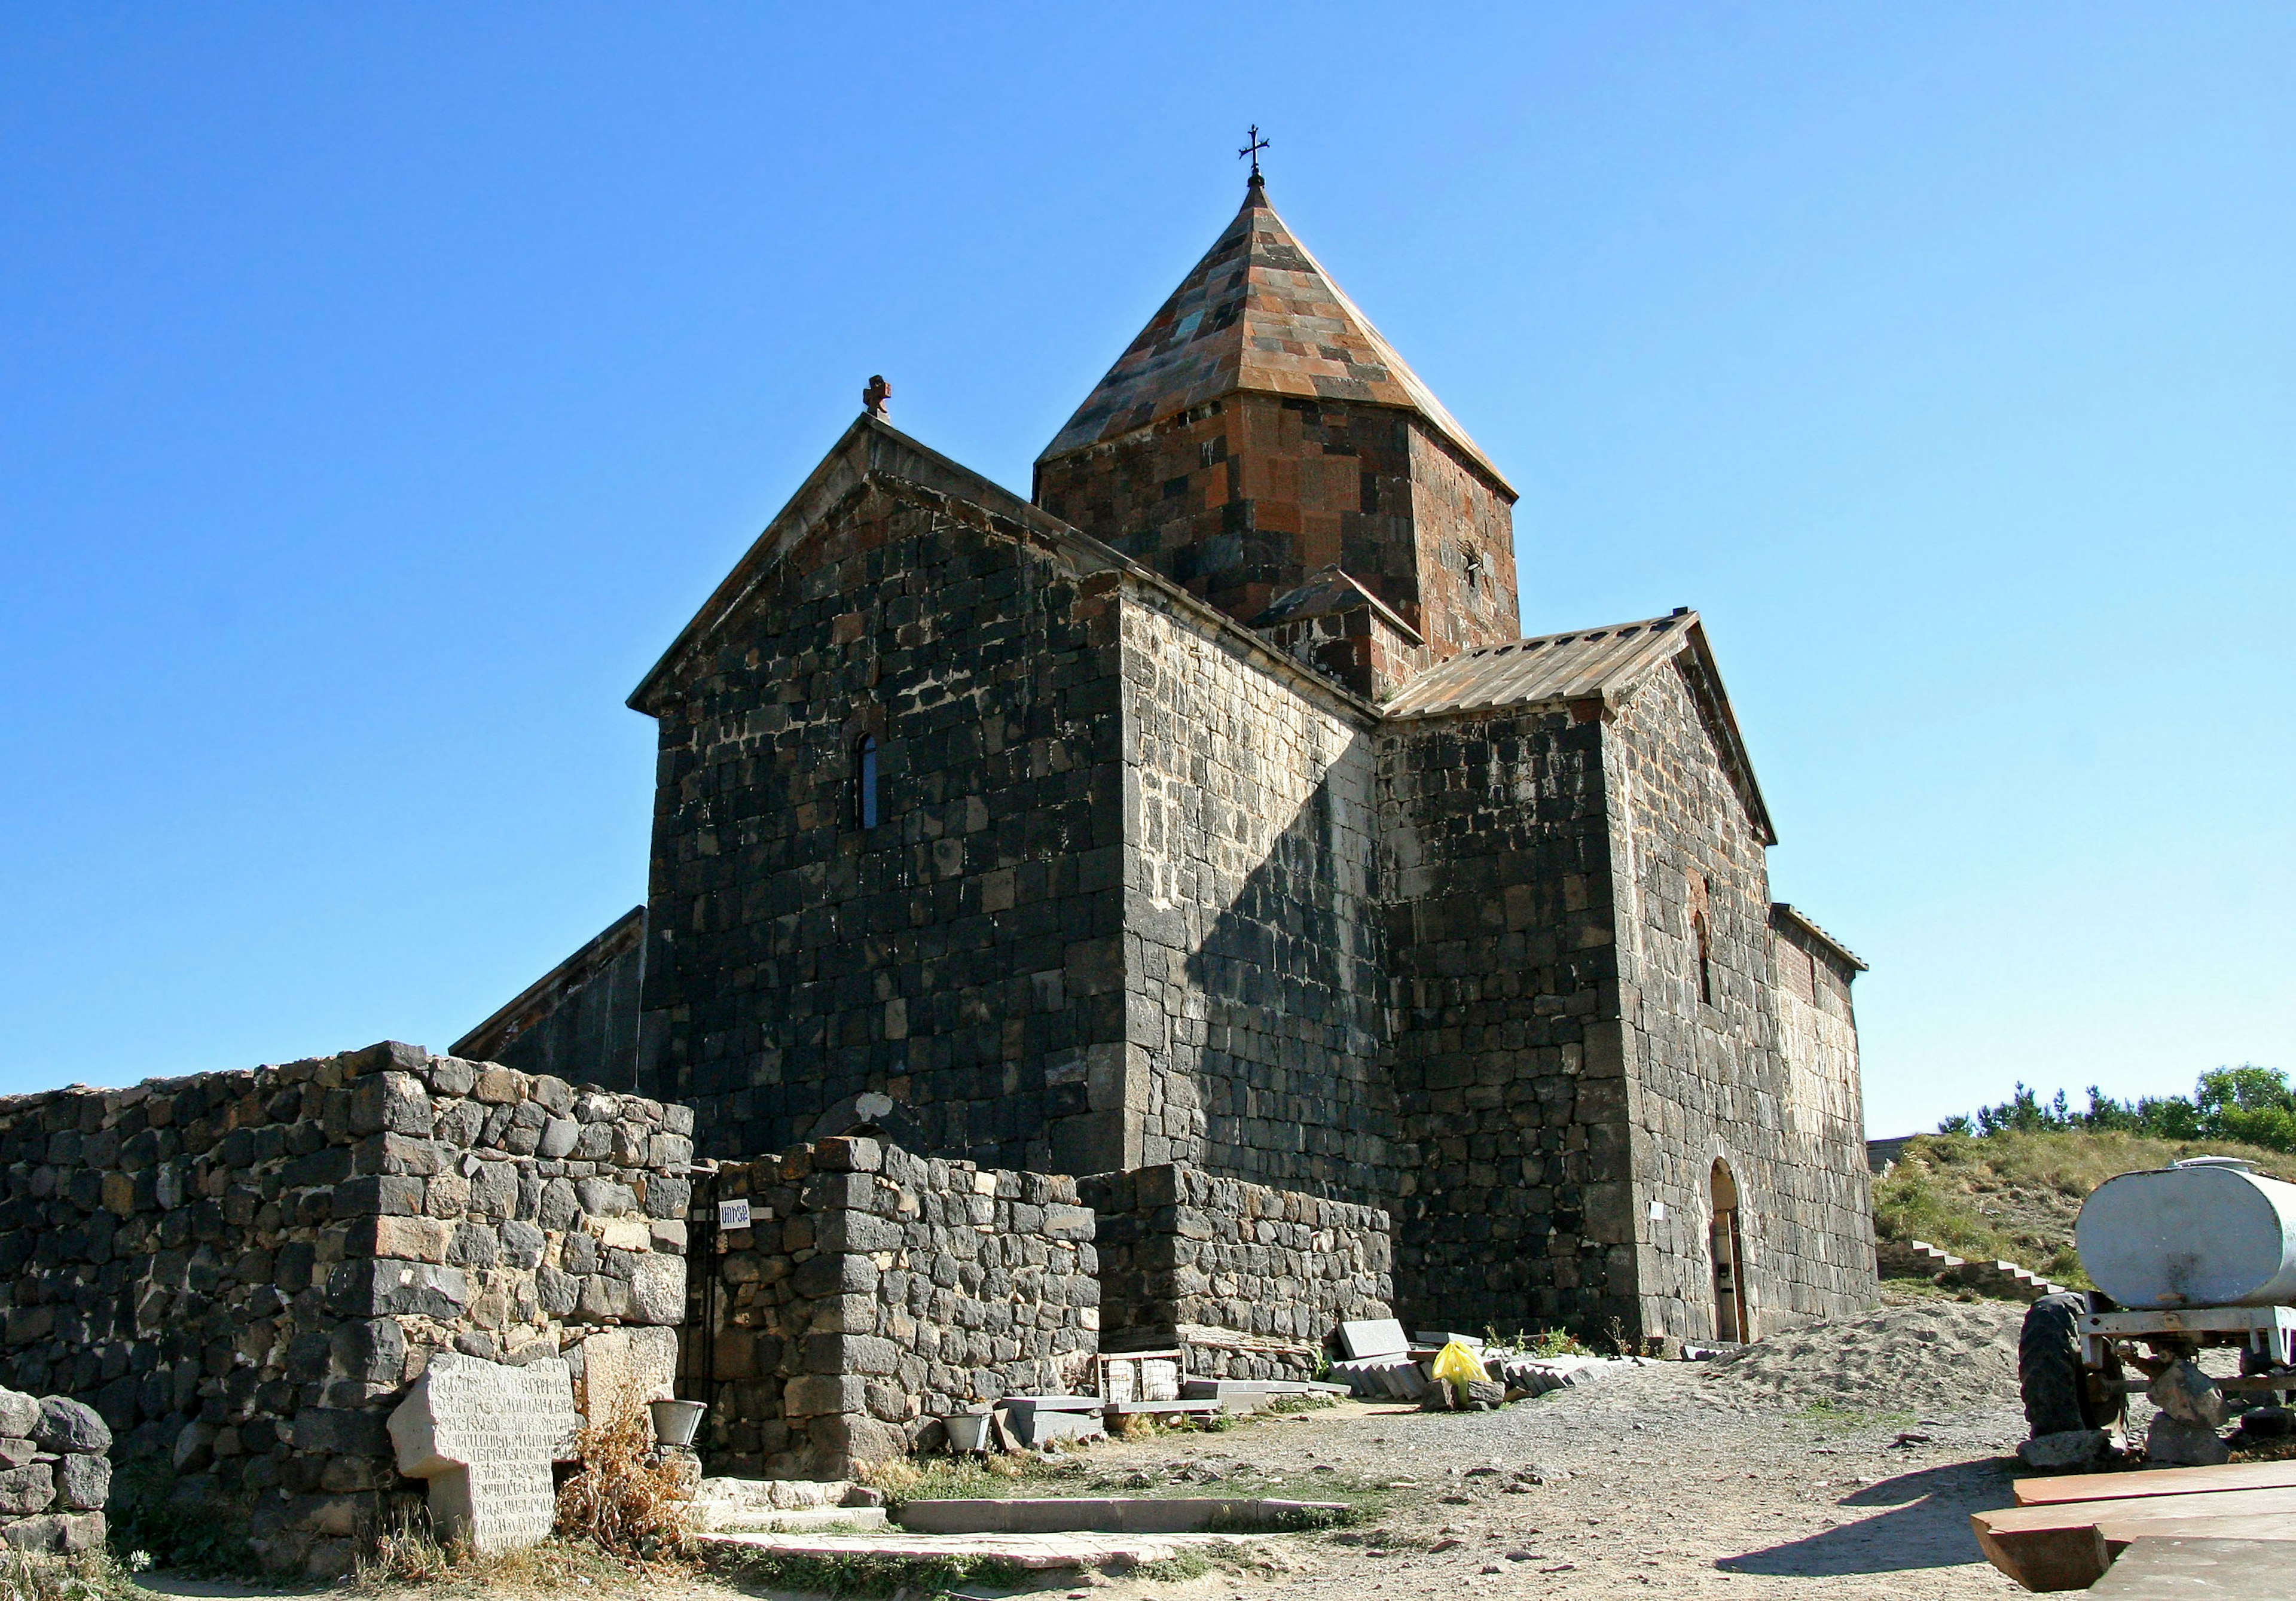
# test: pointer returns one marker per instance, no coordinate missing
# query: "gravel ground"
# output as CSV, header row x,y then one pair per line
x,y
1837,1461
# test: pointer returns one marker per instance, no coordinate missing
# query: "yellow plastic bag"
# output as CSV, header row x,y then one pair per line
x,y
1458,1366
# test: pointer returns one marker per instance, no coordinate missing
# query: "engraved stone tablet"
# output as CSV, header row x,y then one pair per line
x,y
484,1434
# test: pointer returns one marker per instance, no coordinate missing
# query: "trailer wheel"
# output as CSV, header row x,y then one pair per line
x,y
2049,1374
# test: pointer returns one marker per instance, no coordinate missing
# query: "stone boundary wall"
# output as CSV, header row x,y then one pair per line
x,y
243,1271
875,1293
54,1475
1252,1281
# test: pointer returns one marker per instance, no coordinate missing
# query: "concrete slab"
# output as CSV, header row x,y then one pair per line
x,y
821,1519
1103,1514
1052,1403
2157,1570
1033,1429
1375,1337
1222,1389
1022,1550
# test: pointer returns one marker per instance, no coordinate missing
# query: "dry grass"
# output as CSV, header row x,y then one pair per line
x,y
961,1478
621,1501
406,1553
89,1576
621,1520
2013,1196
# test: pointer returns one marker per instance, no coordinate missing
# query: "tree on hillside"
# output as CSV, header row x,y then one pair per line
x,y
2250,1104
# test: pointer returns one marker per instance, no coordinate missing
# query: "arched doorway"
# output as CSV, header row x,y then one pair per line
x,y
1726,1245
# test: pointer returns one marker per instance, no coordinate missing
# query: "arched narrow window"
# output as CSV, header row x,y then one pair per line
x,y
865,782
1701,936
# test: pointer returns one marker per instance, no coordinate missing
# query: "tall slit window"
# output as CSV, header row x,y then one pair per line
x,y
1701,936
865,782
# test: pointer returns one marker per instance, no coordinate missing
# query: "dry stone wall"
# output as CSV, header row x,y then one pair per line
x,y
1249,1282
54,1475
242,1272
875,1293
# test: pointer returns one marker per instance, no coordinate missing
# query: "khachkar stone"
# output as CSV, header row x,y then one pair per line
x,y
485,1434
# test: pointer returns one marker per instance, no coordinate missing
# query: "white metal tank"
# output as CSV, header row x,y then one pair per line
x,y
2207,1232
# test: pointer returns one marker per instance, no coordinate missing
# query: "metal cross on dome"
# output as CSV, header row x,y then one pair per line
x,y
1253,150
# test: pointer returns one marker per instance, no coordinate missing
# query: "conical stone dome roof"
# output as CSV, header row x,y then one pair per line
x,y
1260,313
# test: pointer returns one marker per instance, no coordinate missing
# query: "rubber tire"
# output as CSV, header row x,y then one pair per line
x,y
2049,1366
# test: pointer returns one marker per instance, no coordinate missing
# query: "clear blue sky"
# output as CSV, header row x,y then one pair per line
x,y
382,387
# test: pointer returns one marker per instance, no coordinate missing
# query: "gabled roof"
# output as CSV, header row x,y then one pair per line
x,y
1782,911
1330,589
1258,312
871,448
1608,663
868,447
539,999
1552,667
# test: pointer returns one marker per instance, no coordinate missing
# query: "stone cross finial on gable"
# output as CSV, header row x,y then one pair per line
x,y
877,395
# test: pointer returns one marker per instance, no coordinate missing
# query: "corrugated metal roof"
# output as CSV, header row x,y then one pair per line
x,y
1605,663
1787,911
1552,667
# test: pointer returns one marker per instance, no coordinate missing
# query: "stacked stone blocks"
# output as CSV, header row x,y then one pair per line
x,y
242,1271
874,1294
54,1474
1248,1281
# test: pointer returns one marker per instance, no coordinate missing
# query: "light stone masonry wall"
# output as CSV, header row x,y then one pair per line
x,y
1255,968
1709,1078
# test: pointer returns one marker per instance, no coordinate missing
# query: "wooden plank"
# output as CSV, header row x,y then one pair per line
x,y
2155,1481
2171,1570
2069,1546
2211,1503
2063,1558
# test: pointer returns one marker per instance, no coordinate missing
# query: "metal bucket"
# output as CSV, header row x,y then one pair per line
x,y
675,1421
967,1432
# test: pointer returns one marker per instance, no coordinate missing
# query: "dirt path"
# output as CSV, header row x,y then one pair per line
x,y
1648,1487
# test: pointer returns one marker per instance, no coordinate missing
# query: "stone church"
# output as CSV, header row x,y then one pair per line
x,y
1208,806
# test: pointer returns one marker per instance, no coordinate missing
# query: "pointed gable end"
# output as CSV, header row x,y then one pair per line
x,y
1608,664
868,449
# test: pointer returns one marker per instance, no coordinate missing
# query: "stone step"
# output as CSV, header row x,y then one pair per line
x,y
2004,1279
821,1519
1034,1551
1111,1514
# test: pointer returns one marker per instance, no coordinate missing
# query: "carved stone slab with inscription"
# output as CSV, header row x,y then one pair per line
x,y
485,1434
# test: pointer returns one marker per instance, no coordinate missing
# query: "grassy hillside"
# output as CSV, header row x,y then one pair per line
x,y
2013,1195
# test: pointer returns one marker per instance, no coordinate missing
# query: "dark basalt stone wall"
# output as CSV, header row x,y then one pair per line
x,y
963,957
1512,1089
243,1271
1246,1280
874,1294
